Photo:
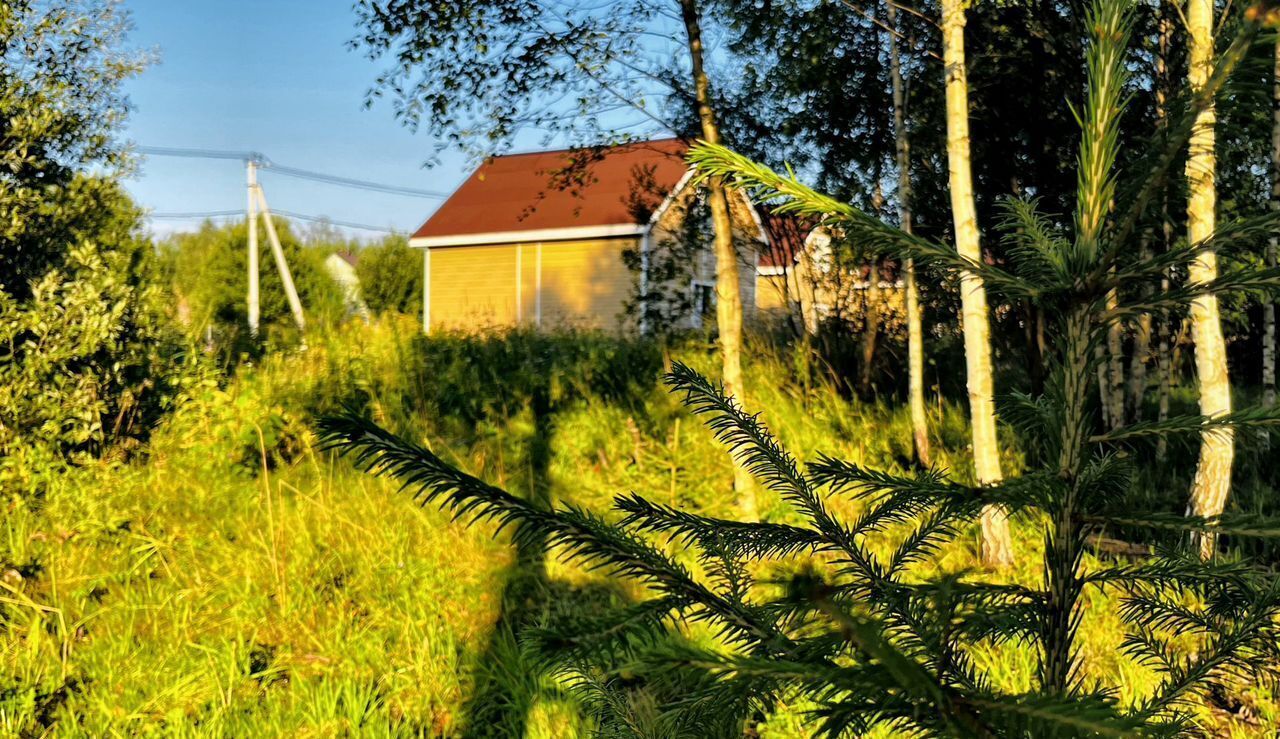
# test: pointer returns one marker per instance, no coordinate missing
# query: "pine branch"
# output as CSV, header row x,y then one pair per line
x,y
1034,245
1229,653
925,539
575,639
1109,24
1142,645
1043,715
1191,424
926,487
1229,236
1226,525
1155,178
1173,569
1154,613
786,194
756,540
1264,281
756,450
585,538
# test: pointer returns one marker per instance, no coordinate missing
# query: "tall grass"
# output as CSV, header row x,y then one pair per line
x,y
236,582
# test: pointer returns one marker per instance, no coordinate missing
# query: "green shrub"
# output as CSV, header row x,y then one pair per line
x,y
208,270
84,352
89,363
391,276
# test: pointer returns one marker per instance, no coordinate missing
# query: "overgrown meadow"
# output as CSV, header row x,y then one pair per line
x,y
234,580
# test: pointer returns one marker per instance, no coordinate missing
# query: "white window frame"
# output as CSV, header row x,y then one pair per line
x,y
696,315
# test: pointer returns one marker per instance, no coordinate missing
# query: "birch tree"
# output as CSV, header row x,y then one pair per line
x,y
915,329
1212,480
728,289
1273,245
1164,350
997,546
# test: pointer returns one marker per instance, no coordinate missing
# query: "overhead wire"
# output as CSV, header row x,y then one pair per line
x,y
193,153
183,215
351,182
269,166
192,215
266,165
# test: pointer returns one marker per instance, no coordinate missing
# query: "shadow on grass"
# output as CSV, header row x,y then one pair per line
x,y
506,683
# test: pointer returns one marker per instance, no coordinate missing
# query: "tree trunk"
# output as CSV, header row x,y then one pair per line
x,y
870,327
1213,473
1273,245
1115,365
728,288
1164,351
1137,390
915,323
997,546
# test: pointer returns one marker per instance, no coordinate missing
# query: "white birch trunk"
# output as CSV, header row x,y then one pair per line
x,y
728,285
1212,481
997,546
915,322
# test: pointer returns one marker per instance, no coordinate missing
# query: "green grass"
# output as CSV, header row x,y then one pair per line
x,y
235,581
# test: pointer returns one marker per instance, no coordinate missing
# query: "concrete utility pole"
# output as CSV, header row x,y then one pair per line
x,y
257,203
251,216
290,292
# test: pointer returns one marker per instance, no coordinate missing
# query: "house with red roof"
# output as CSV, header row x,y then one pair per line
x,y
581,238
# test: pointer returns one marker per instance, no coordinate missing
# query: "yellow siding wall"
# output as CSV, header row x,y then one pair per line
x,y
473,287
583,284
528,283
670,230
772,293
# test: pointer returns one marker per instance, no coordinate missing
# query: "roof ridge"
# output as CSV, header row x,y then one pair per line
x,y
567,149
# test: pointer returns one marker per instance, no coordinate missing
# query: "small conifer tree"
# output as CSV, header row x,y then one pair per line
x,y
865,636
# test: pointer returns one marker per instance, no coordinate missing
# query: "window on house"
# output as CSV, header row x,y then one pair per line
x,y
704,302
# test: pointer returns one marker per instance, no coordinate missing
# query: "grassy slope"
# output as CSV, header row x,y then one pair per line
x,y
240,583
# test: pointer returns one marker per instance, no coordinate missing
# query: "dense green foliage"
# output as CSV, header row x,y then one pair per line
x,y
208,272
89,362
62,64
86,357
391,276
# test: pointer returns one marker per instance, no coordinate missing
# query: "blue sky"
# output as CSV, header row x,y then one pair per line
x,y
274,77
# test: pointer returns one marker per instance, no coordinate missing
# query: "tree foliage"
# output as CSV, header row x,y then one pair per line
x,y
62,64
858,630
208,270
391,276
481,73
85,350
88,352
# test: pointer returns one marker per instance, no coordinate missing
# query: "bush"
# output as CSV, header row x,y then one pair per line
x,y
208,270
89,357
391,276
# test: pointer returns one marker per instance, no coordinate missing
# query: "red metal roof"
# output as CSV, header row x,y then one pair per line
x,y
787,234
608,186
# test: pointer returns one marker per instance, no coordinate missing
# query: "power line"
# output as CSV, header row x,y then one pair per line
x,y
197,214
168,151
349,182
305,174
193,215
322,219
